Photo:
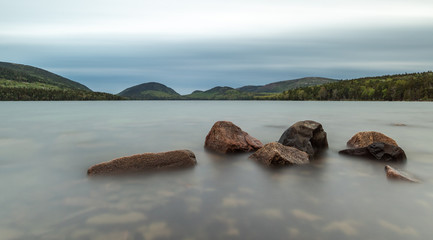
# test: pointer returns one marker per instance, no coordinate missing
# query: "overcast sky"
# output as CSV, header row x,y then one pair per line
x,y
110,45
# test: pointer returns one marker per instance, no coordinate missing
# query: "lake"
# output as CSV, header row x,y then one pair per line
x,y
46,148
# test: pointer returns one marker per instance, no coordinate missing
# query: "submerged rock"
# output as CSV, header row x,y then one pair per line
x,y
226,137
393,173
145,161
399,125
276,154
307,136
379,150
363,139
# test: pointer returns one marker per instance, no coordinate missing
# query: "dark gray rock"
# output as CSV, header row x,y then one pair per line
x,y
143,162
379,151
276,154
307,136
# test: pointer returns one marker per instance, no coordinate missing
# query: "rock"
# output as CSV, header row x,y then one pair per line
x,y
276,154
145,161
225,137
393,173
307,136
379,150
363,139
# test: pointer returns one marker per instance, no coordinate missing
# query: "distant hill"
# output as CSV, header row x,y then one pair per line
x,y
250,92
399,87
150,91
219,93
26,83
157,91
34,77
278,87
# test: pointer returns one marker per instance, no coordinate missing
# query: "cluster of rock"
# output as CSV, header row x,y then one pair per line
x,y
378,146
300,143
297,145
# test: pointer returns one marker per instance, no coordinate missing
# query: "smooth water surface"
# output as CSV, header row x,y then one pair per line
x,y
46,148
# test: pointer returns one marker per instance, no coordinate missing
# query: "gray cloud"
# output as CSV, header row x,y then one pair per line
x,y
112,63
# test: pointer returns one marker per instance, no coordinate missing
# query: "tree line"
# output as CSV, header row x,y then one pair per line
x,y
39,94
402,87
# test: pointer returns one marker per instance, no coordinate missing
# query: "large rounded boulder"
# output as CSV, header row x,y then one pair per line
x,y
363,139
276,154
307,136
226,137
145,162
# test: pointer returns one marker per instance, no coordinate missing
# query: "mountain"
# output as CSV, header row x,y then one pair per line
x,y
399,87
157,91
150,91
278,87
251,92
26,83
219,93
28,76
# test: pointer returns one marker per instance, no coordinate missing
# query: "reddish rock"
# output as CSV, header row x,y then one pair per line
x,y
225,137
145,161
276,154
393,173
363,139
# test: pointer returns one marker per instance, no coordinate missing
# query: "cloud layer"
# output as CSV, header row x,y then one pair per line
x,y
188,45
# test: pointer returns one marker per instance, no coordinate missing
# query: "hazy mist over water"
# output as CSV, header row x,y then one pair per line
x,y
46,148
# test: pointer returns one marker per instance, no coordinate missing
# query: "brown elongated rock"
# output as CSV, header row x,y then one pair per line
x,y
379,151
226,137
393,173
363,139
145,161
276,154
307,136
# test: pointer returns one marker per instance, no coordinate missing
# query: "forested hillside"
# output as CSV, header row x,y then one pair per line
x,y
26,83
402,87
278,87
38,94
28,74
150,91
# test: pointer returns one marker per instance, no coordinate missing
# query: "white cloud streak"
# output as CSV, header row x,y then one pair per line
x,y
193,18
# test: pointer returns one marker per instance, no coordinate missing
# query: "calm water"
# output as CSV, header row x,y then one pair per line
x,y
46,148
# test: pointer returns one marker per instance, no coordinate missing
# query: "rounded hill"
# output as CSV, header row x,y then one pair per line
x,y
150,90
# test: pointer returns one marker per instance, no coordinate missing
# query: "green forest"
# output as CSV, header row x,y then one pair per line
x,y
26,83
402,87
39,94
28,74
